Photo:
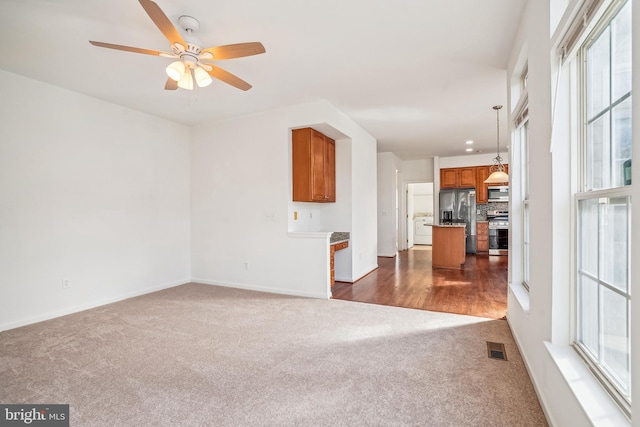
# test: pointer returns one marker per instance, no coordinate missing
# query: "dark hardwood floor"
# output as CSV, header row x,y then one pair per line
x,y
408,280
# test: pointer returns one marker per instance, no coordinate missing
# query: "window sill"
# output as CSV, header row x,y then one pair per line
x,y
521,294
598,406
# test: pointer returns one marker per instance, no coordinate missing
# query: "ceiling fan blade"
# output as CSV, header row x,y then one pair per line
x,y
171,84
229,78
162,22
129,48
237,50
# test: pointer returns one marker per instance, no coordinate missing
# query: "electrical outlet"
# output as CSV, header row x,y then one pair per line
x,y
66,283
295,216
246,265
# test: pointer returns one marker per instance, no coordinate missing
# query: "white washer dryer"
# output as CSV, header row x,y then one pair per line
x,y
423,230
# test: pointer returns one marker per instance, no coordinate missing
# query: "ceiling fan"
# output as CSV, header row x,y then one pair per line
x,y
191,65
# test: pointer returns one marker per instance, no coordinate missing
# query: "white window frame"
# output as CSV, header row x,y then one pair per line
x,y
624,400
522,129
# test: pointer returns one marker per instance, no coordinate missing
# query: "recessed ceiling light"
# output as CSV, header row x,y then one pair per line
x,y
469,149
469,142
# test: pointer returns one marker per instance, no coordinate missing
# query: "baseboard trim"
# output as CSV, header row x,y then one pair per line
x,y
367,272
534,381
86,306
280,291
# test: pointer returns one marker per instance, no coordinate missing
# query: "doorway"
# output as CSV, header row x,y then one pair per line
x,y
420,213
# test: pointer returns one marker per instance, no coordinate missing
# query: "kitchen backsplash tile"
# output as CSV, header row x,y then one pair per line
x,y
484,207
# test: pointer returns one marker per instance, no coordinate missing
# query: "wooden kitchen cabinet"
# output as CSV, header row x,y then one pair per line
x,y
482,194
448,178
335,247
482,173
467,177
482,242
458,177
449,246
314,166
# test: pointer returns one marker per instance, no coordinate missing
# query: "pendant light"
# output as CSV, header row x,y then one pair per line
x,y
498,175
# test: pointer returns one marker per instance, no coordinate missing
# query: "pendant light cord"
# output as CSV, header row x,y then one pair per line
x,y
498,158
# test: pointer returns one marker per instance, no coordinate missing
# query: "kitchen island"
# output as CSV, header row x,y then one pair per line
x,y
448,246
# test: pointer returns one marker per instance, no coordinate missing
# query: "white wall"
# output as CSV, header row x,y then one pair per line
x,y
242,211
364,204
90,191
470,160
101,195
417,170
388,164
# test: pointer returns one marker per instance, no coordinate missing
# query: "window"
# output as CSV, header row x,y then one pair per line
x,y
524,165
603,203
521,156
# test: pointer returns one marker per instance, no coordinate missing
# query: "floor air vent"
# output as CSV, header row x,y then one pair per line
x,y
496,350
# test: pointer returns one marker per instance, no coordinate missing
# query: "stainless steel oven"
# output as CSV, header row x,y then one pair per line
x,y
498,232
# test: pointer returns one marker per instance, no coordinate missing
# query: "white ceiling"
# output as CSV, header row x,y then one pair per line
x,y
420,75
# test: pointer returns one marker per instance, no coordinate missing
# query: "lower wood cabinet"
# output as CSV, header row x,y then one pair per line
x,y
482,242
335,247
449,247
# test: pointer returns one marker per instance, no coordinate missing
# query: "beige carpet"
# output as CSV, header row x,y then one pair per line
x,y
199,355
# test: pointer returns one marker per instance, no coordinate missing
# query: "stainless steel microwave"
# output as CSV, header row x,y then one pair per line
x,y
498,193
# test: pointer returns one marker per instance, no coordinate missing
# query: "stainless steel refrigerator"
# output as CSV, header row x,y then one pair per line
x,y
462,205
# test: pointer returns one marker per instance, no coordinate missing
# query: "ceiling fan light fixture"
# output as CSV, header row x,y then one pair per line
x,y
498,174
186,82
202,77
176,70
187,52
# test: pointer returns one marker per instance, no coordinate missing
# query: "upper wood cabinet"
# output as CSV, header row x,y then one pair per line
x,y
482,173
458,177
482,194
449,178
469,177
314,166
